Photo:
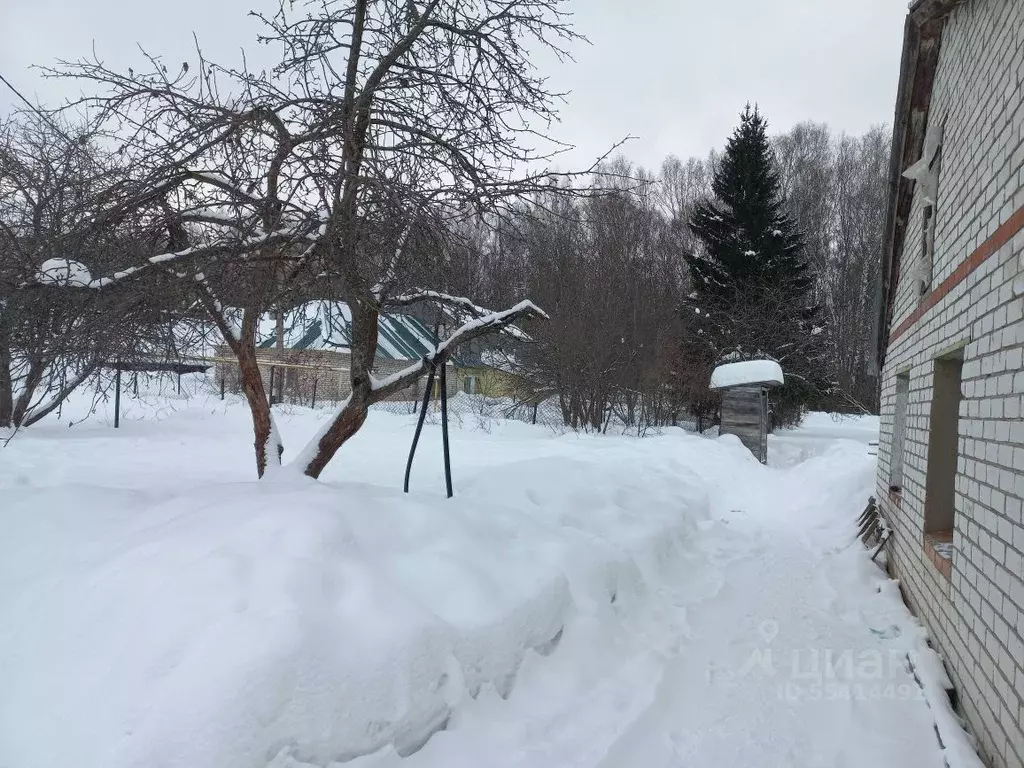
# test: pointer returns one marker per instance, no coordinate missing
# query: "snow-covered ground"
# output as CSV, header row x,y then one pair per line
x,y
583,600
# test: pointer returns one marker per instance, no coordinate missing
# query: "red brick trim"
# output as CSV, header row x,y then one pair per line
x,y
943,564
999,238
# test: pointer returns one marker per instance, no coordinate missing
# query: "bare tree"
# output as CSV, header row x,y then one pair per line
x,y
608,270
836,191
384,124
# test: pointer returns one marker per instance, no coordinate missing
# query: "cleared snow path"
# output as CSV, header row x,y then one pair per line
x,y
790,650
778,668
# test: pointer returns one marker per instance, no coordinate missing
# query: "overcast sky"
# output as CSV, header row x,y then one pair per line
x,y
674,73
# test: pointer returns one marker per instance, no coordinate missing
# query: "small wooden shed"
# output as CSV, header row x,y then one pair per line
x,y
744,387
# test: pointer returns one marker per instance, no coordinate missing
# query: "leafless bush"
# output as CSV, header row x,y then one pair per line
x,y
54,332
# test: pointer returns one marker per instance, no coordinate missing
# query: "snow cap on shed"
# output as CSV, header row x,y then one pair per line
x,y
747,373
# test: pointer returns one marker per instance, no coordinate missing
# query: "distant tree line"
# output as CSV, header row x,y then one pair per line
x,y
654,278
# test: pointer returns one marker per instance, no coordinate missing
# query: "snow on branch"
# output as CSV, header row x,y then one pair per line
x,y
461,302
63,272
479,326
230,330
163,258
260,239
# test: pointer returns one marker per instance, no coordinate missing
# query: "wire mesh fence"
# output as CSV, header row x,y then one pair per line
x,y
292,386
478,410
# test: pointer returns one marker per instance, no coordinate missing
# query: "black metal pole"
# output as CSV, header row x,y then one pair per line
x,y
179,383
270,389
117,397
313,404
419,427
444,431
222,378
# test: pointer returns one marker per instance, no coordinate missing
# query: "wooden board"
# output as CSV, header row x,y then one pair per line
x,y
744,415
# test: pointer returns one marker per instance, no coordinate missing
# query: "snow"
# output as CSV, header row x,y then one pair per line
x,y
746,372
925,171
162,258
491,318
308,453
583,600
469,310
64,272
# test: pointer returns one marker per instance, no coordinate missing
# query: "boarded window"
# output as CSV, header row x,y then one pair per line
x,y
899,432
943,436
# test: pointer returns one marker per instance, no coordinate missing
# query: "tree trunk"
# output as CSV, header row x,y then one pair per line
x,y
262,423
243,345
6,388
352,416
347,423
32,379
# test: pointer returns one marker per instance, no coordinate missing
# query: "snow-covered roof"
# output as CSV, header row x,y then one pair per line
x,y
748,372
328,325
63,272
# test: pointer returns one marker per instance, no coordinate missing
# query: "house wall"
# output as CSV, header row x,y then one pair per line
x,y
492,382
976,613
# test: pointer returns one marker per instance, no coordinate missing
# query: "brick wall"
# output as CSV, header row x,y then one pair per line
x,y
976,612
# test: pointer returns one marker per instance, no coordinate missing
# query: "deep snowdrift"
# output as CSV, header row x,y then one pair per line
x,y
581,601
222,623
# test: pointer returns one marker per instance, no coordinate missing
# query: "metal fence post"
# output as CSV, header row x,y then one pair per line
x,y
313,404
222,378
444,431
419,426
179,383
270,389
117,396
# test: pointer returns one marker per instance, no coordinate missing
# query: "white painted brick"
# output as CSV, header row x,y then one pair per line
x,y
982,185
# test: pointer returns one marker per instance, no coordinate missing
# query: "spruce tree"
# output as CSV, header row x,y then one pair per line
x,y
748,240
751,285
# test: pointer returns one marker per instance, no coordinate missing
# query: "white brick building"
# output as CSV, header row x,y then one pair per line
x,y
951,458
